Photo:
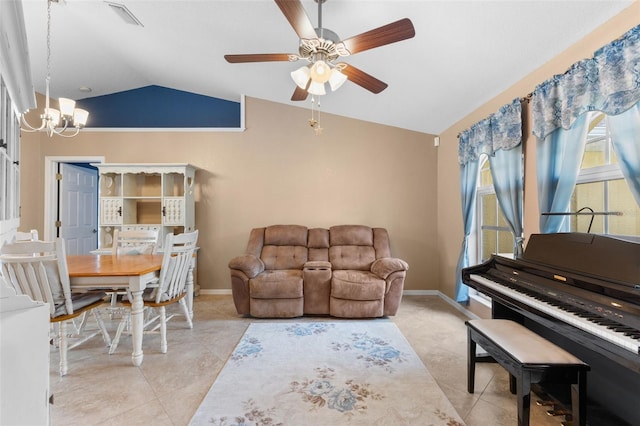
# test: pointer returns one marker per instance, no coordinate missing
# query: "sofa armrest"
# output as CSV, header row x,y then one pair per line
x,y
248,263
387,265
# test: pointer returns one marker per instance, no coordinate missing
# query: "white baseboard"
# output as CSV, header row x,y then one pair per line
x,y
216,292
456,305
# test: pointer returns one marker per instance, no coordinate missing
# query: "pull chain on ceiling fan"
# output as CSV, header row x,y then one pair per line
x,y
322,47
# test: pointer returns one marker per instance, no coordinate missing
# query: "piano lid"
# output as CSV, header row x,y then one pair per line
x,y
590,254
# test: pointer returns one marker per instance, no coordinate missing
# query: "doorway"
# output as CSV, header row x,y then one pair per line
x,y
73,202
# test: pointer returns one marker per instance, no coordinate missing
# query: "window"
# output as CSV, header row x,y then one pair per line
x,y
601,187
9,162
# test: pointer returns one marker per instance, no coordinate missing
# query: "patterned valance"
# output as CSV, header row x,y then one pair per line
x,y
608,82
501,130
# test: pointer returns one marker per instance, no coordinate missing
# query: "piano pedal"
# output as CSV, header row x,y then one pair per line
x,y
544,403
560,412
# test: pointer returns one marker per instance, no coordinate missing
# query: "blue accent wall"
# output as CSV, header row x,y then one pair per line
x,y
160,107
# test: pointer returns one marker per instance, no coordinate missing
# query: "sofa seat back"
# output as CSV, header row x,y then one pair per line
x,y
351,247
285,247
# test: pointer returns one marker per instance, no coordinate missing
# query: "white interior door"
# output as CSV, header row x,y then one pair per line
x,y
78,201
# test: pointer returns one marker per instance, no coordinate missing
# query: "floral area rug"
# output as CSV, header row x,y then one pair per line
x,y
325,373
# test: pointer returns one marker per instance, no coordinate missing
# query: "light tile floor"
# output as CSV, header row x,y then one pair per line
x,y
103,389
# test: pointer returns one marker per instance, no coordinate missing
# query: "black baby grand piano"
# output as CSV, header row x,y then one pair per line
x,y
581,291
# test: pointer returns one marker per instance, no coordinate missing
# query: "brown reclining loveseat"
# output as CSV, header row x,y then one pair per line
x,y
344,271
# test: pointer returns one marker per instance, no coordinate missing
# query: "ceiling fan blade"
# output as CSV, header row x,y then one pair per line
x,y
363,79
298,18
387,34
258,57
299,94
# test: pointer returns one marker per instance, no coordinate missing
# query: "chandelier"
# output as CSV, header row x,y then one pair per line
x,y
65,121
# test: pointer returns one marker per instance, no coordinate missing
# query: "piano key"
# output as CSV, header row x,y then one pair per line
x,y
583,321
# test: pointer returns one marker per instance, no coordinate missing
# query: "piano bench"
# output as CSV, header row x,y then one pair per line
x,y
529,358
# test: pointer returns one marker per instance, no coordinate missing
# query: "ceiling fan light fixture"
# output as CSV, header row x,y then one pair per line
x,y
337,79
301,77
320,72
316,88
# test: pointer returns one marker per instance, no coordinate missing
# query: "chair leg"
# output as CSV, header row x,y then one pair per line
x,y
62,334
116,338
185,310
101,326
163,330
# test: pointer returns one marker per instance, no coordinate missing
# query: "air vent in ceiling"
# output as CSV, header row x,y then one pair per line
x,y
122,11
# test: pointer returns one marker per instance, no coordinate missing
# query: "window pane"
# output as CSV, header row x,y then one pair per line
x,y
595,154
485,174
488,243
505,242
588,195
621,200
489,213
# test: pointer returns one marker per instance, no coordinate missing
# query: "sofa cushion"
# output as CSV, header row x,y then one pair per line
x,y
351,235
285,284
318,244
357,285
352,257
284,257
285,235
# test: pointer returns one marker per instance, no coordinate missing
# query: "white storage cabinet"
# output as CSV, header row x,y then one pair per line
x,y
145,196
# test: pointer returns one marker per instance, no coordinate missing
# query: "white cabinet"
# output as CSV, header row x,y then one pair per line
x,y
145,196
24,359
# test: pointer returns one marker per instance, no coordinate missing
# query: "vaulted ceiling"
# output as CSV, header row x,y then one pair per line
x,y
463,54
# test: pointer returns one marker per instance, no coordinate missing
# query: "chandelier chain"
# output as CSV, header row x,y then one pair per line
x,y
48,39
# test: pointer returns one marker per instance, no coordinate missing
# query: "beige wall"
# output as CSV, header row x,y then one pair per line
x,y
277,172
449,204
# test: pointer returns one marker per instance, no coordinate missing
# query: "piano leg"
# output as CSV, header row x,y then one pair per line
x,y
471,362
523,387
578,400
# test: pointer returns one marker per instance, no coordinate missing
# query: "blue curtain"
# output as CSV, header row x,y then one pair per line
x,y
468,184
499,136
559,156
507,175
608,82
625,138
507,169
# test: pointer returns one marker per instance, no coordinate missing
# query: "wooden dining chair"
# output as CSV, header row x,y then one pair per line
x,y
31,235
39,270
130,242
126,242
177,259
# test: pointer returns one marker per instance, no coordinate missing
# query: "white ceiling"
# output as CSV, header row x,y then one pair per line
x,y
464,52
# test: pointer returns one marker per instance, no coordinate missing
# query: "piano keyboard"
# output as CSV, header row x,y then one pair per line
x,y
627,340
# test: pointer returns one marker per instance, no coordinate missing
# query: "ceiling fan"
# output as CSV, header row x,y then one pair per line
x,y
322,47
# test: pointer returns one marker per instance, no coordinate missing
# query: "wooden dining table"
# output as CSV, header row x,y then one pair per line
x,y
108,272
